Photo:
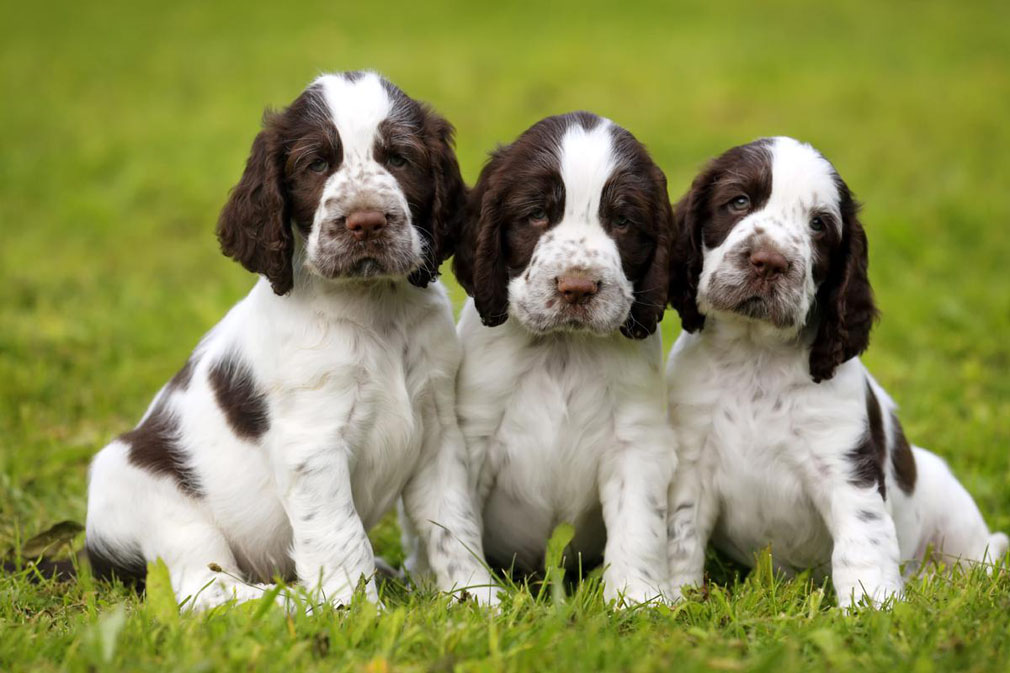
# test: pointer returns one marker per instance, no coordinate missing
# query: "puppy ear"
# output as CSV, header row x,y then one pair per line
x,y
479,259
253,226
844,301
490,274
448,200
687,256
651,289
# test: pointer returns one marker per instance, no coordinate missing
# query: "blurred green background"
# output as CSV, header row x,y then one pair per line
x,y
124,124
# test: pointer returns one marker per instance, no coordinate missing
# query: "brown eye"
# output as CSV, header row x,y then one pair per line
x,y
817,223
739,204
538,218
319,166
396,160
621,223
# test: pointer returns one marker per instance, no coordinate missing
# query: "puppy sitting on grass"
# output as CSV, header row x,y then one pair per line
x,y
329,391
560,393
785,438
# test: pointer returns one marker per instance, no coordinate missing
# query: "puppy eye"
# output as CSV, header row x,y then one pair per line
x,y
621,223
817,223
319,166
538,217
740,203
396,160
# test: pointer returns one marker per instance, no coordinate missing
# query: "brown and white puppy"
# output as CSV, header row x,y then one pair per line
x,y
560,393
329,391
785,438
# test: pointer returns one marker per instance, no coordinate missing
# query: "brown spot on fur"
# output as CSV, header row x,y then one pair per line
x,y
902,459
128,568
868,457
154,446
240,400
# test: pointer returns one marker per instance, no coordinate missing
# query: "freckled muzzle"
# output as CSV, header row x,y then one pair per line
x,y
571,288
760,280
368,236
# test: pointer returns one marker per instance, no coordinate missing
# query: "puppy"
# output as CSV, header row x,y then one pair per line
x,y
564,251
328,392
785,438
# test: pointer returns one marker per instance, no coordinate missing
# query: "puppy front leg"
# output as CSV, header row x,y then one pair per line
x,y
633,493
331,549
865,558
692,514
439,504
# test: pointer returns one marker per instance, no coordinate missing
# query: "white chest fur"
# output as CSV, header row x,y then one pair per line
x,y
546,418
755,431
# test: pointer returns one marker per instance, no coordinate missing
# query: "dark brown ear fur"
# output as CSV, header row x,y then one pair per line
x,y
448,201
479,262
686,255
253,226
844,306
651,289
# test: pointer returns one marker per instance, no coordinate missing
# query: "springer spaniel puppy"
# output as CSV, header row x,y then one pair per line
x,y
785,438
325,394
560,393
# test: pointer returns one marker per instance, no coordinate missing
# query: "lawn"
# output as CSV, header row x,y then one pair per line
x,y
123,125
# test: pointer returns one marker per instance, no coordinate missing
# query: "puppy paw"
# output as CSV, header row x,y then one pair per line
x,y
876,595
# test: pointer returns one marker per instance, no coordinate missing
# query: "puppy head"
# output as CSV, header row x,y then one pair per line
x,y
569,228
362,174
769,233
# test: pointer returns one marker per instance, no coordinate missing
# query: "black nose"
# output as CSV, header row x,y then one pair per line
x,y
768,262
365,224
576,289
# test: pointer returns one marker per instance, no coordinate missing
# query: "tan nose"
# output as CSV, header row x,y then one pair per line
x,y
577,289
768,262
365,224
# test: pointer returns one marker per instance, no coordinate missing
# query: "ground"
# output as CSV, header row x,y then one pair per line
x,y
123,125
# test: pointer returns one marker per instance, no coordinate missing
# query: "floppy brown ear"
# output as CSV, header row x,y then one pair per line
x,y
448,200
686,256
253,226
845,303
479,261
651,289
490,274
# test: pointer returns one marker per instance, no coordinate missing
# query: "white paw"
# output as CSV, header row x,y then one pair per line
x,y
219,592
852,595
679,585
631,594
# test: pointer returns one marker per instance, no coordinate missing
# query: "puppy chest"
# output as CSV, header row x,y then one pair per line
x,y
755,451
547,453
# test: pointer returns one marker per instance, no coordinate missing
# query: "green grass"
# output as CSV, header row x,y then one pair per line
x,y
122,126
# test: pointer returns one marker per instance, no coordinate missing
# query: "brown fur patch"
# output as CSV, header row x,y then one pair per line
x,y
902,459
236,392
154,446
868,457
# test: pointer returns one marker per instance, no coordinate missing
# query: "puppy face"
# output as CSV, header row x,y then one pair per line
x,y
769,233
568,228
362,174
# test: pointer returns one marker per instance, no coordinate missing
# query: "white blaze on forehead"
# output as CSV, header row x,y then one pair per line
x,y
801,179
356,109
587,161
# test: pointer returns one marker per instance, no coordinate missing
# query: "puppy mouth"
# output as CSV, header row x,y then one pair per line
x,y
577,318
365,264
767,307
367,267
